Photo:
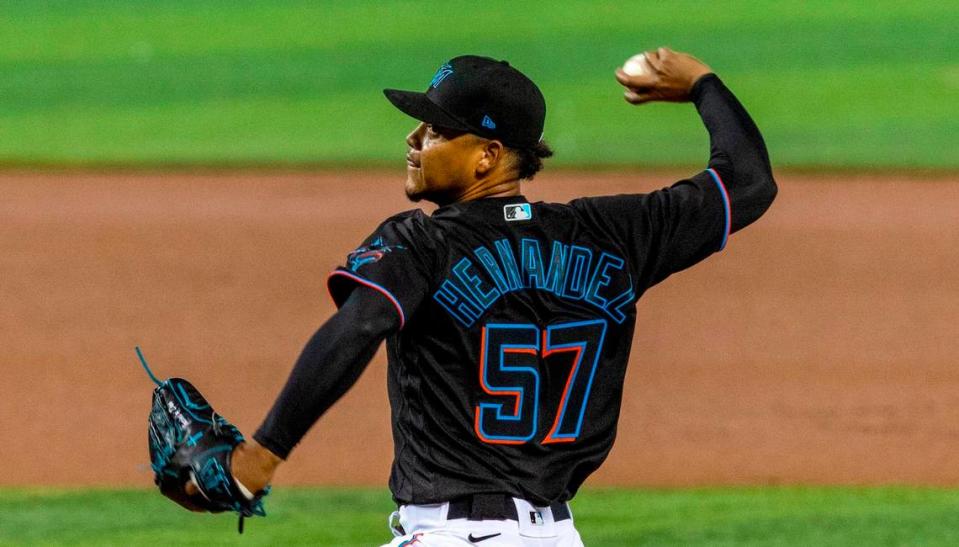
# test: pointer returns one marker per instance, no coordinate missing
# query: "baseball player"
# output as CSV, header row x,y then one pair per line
x,y
508,323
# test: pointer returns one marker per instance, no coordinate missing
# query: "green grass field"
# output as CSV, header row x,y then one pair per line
x,y
329,517
298,83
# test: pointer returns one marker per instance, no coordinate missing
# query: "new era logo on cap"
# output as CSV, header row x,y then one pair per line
x,y
518,211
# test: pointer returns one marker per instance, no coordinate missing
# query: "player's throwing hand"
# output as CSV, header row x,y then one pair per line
x,y
671,78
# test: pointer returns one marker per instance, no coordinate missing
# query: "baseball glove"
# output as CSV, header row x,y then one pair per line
x,y
191,443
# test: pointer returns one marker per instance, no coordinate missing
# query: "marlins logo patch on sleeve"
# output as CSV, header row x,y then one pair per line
x,y
368,254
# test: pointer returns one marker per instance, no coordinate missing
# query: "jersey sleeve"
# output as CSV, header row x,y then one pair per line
x,y
393,262
667,230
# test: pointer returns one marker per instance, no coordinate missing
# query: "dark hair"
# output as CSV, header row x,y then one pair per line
x,y
529,161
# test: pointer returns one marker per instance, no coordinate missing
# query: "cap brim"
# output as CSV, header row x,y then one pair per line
x,y
419,106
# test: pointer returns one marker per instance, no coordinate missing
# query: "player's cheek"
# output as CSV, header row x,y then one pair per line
x,y
431,169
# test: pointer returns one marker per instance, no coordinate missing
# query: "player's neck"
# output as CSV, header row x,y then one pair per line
x,y
490,189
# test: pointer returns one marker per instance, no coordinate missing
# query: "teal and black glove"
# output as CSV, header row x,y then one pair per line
x,y
191,443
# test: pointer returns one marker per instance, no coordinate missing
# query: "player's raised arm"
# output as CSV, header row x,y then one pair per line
x,y
738,158
328,366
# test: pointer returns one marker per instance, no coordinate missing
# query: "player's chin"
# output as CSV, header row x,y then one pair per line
x,y
415,189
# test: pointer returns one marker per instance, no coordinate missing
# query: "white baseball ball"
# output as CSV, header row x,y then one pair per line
x,y
637,65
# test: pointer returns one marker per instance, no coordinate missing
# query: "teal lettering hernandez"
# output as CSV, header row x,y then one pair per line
x,y
570,272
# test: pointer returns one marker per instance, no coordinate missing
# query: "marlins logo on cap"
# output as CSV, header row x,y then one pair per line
x,y
441,74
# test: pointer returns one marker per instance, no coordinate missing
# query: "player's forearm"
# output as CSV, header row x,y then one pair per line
x,y
327,368
738,153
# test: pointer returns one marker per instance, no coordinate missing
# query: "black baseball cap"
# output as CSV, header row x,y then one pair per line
x,y
482,96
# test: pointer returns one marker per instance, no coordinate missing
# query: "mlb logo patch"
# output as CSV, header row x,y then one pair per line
x,y
518,211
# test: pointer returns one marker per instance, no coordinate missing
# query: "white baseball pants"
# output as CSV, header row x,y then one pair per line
x,y
427,526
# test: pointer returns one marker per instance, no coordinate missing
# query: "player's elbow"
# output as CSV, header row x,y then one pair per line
x,y
752,200
768,190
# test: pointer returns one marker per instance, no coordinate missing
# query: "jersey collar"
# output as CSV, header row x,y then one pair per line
x,y
481,206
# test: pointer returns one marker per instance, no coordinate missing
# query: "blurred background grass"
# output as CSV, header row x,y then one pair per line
x,y
97,82
605,517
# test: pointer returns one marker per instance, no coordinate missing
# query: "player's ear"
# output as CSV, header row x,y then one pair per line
x,y
492,153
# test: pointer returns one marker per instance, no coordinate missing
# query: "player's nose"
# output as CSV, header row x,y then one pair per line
x,y
415,139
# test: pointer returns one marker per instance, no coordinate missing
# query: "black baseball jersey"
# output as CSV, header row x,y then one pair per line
x,y
514,321
517,319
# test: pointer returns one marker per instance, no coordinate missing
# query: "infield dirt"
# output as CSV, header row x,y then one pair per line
x,y
820,347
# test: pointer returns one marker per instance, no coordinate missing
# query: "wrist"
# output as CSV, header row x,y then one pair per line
x,y
270,442
699,85
264,458
253,465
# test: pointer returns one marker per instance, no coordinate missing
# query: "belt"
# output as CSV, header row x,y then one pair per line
x,y
496,507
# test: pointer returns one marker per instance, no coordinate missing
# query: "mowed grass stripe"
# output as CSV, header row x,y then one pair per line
x,y
187,82
344,517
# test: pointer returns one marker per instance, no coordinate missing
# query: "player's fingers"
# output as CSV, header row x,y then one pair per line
x,y
635,97
638,81
655,60
191,488
622,77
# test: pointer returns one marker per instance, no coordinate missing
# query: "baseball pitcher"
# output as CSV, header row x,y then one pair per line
x,y
508,323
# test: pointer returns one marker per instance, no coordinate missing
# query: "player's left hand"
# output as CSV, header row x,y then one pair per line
x,y
191,450
671,79
252,465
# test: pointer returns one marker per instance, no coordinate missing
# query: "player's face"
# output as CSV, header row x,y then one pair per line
x,y
440,163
